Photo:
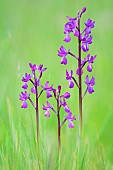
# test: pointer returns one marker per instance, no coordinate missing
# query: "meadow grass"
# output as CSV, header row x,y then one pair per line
x,y
32,31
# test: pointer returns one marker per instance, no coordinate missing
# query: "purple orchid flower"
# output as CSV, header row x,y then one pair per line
x,y
86,40
63,53
48,89
62,99
90,23
90,62
69,117
33,90
62,102
26,78
47,108
41,69
33,67
67,38
70,27
25,86
90,84
24,96
66,95
69,78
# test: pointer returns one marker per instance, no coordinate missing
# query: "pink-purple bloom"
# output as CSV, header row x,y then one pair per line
x,y
25,86
90,23
70,27
48,107
33,90
48,89
86,40
41,69
69,117
24,97
90,62
61,102
63,53
66,95
62,99
33,66
26,78
32,78
69,76
67,38
90,84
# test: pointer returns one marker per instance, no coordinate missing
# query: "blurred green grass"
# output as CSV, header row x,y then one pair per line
x,y
32,31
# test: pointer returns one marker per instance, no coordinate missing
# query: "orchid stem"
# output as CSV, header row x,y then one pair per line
x,y
31,81
54,111
58,116
84,64
63,122
73,55
37,110
32,102
40,93
37,116
75,82
80,82
85,93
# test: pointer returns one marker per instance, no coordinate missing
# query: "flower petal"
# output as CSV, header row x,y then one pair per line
x,y
33,90
76,33
47,114
71,125
71,84
90,89
48,94
64,60
89,67
24,105
25,86
67,38
66,95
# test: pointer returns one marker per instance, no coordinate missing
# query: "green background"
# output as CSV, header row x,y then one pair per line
x,y
32,31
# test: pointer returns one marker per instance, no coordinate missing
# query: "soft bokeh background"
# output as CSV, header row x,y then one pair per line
x,y
32,31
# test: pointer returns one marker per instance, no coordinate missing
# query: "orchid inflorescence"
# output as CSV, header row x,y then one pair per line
x,y
35,84
73,26
61,102
86,39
